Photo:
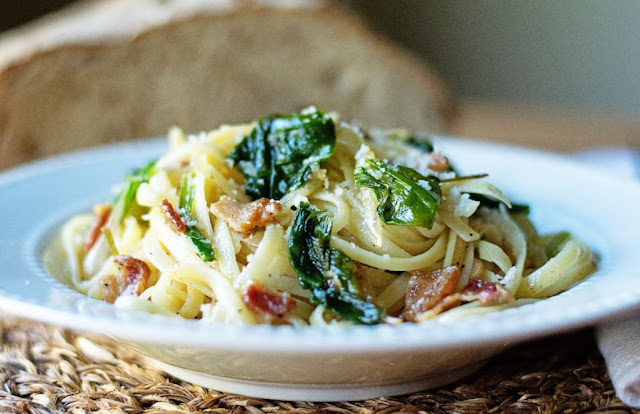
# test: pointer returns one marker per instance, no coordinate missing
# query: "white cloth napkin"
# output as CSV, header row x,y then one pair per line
x,y
619,341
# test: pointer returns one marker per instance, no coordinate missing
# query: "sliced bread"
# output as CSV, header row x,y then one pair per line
x,y
110,70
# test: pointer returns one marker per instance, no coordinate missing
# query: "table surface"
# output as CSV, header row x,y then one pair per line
x,y
551,128
45,369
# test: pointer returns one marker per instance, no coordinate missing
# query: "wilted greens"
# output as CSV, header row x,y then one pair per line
x,y
555,244
128,196
187,194
326,272
282,151
491,203
422,144
405,197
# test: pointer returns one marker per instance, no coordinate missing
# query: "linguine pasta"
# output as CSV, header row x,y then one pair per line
x,y
303,219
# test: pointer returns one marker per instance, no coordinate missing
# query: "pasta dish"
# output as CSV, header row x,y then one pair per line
x,y
305,219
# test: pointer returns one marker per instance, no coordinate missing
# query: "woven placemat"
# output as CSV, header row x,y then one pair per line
x,y
45,369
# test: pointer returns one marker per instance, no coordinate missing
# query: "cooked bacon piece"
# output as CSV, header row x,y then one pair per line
x,y
445,304
111,289
431,293
267,302
173,217
486,292
135,272
102,213
434,161
245,217
426,290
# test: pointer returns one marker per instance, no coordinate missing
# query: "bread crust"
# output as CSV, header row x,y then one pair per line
x,y
131,83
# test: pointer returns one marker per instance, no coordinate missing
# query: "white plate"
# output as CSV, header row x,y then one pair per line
x,y
333,364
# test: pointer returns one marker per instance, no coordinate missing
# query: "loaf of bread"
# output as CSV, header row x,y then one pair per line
x,y
109,70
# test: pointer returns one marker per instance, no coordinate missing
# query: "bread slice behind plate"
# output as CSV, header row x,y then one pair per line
x,y
112,70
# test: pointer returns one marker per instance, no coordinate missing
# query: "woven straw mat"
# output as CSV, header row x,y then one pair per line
x,y
45,369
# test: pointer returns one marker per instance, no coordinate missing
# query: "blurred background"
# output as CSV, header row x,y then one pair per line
x,y
576,54
571,53
566,70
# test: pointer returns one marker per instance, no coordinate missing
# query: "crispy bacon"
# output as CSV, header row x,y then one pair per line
x,y
486,292
426,290
434,161
111,288
245,217
267,302
431,293
444,305
135,272
173,217
102,213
